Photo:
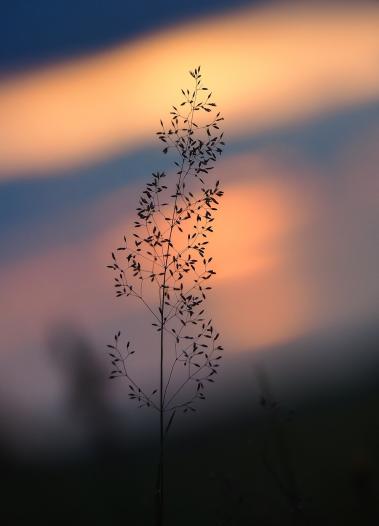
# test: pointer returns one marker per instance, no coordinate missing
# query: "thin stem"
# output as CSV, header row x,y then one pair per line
x,y
159,256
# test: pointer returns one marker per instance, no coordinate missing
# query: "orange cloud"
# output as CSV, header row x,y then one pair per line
x,y
266,66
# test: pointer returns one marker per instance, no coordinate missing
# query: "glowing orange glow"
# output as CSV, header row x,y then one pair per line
x,y
247,247
256,238
267,67
255,216
283,267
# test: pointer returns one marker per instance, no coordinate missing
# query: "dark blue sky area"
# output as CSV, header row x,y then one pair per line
x,y
34,32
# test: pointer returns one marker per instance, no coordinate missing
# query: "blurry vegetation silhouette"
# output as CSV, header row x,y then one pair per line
x,y
164,263
276,451
87,402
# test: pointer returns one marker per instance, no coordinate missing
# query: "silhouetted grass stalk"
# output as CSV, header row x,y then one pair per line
x,y
171,256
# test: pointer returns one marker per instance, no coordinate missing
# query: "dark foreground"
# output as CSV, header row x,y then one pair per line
x,y
317,466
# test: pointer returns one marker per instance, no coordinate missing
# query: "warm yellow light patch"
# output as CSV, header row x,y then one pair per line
x,y
266,67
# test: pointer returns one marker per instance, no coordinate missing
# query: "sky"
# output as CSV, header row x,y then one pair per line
x,y
82,88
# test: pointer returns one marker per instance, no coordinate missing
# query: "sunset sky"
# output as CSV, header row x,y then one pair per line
x,y
82,89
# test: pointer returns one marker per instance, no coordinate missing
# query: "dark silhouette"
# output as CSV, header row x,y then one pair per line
x,y
87,402
167,251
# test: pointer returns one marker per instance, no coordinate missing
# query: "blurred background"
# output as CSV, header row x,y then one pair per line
x,y
289,433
